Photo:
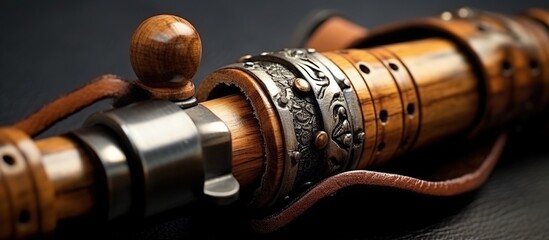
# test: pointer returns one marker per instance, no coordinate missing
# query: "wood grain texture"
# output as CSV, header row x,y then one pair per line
x,y
449,96
23,220
247,143
385,97
165,52
233,81
469,76
27,190
365,99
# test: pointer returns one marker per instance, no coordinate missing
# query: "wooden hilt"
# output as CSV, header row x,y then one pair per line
x,y
416,83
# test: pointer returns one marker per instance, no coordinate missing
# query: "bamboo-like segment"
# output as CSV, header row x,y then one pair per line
x,y
412,104
411,93
247,142
68,166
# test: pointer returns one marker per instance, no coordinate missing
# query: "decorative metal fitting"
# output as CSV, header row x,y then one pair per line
x,y
110,155
174,156
336,99
299,120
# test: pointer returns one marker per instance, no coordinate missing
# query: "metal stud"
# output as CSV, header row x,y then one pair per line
x,y
295,156
360,136
301,85
321,75
249,64
321,140
348,139
346,83
244,58
311,50
282,101
464,12
446,16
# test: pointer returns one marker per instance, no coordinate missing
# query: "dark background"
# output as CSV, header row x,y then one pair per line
x,y
50,47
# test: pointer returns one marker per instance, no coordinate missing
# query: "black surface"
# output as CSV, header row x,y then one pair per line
x,y
49,48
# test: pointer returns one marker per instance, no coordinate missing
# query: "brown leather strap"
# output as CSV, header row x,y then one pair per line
x,y
471,173
336,33
326,30
106,86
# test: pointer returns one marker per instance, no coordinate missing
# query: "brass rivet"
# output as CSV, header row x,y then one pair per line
x,y
302,85
321,140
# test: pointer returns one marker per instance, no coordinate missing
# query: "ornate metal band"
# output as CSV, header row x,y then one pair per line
x,y
299,120
319,112
355,112
336,100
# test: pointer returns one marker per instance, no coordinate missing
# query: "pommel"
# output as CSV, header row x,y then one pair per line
x,y
165,53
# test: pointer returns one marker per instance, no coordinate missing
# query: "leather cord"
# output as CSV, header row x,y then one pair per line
x,y
103,87
474,175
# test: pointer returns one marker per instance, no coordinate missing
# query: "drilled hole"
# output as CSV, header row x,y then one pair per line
x,y
534,66
383,116
8,159
24,216
410,109
393,66
381,146
506,68
364,69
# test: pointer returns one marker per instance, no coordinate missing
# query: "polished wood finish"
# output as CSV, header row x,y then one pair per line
x,y
233,81
383,89
369,114
421,105
448,97
72,175
26,192
247,143
165,53
412,93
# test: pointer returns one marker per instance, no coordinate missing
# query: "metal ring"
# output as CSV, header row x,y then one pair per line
x,y
354,107
115,168
220,185
163,146
331,101
298,116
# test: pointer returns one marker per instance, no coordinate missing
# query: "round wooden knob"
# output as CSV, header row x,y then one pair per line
x,y
165,52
